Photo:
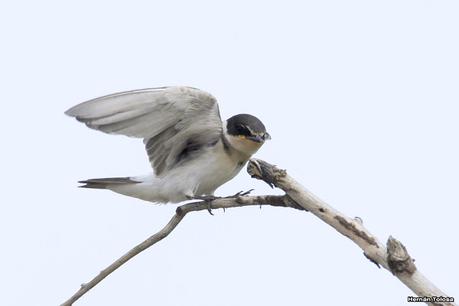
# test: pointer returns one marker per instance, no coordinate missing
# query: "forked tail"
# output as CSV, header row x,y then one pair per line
x,y
148,188
105,183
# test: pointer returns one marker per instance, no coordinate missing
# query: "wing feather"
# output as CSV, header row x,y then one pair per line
x,y
171,120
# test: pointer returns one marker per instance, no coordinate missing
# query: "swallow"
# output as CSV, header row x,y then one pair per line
x,y
192,152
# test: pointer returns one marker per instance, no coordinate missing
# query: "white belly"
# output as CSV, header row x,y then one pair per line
x,y
207,173
196,177
219,169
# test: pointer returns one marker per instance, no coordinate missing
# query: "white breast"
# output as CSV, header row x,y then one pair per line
x,y
218,168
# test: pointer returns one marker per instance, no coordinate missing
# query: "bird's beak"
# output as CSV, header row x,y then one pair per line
x,y
266,136
259,138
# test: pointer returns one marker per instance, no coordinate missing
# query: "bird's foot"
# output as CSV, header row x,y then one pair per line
x,y
240,194
209,198
206,198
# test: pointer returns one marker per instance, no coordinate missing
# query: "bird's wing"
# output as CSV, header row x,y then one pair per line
x,y
173,121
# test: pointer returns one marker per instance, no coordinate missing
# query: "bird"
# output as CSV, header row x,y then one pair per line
x,y
191,150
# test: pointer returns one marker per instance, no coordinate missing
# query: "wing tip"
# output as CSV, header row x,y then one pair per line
x,y
72,112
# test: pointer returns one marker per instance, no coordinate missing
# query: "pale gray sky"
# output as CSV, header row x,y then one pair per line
x,y
361,100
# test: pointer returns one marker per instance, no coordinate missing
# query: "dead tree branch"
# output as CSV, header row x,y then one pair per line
x,y
181,212
393,257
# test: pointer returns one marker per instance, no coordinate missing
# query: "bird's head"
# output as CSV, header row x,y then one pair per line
x,y
246,133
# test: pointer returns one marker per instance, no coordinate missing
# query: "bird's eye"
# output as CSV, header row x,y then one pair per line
x,y
243,130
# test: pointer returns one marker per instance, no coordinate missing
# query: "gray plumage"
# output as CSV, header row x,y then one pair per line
x,y
173,121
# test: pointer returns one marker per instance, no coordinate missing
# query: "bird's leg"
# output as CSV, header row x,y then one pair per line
x,y
206,198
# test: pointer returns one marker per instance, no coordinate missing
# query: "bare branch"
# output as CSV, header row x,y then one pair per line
x,y
394,258
180,213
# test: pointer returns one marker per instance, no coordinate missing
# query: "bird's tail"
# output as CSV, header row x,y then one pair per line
x,y
107,183
146,188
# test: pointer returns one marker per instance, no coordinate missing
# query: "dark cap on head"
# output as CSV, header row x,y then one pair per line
x,y
247,125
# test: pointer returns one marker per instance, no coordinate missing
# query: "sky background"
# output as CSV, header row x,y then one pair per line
x,y
360,97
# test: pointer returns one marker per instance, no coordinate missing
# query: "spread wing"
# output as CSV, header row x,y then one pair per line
x,y
174,122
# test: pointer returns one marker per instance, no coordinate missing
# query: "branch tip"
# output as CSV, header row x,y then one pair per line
x,y
262,170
